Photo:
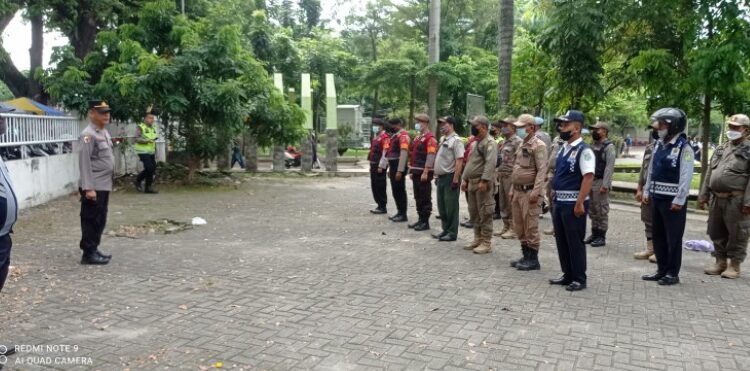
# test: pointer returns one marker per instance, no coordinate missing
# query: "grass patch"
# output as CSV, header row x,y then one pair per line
x,y
633,178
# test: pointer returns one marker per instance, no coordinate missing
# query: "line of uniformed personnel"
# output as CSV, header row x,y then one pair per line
x,y
521,170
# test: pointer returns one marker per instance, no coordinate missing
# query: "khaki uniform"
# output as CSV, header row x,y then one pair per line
x,y
507,158
481,166
528,178
728,189
599,207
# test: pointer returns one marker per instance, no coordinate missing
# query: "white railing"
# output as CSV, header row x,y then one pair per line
x,y
31,129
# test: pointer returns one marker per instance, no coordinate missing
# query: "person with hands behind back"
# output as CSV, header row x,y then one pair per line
x,y
448,167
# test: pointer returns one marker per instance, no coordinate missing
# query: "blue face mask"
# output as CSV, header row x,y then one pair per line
x,y
417,126
521,132
376,129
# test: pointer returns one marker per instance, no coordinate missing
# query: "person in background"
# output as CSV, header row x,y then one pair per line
x,y
604,153
396,160
646,216
424,150
448,168
378,176
145,147
727,192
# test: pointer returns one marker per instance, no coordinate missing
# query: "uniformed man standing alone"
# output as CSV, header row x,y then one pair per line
x,y
378,182
97,167
145,147
479,184
667,188
507,158
528,178
727,190
423,154
571,186
604,153
396,160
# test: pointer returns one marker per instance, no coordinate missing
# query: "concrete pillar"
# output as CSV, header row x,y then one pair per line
x,y
331,124
278,148
251,152
306,100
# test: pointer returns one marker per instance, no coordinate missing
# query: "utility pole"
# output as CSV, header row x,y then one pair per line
x,y
182,3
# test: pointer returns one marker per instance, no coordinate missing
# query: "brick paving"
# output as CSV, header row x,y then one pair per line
x,y
296,274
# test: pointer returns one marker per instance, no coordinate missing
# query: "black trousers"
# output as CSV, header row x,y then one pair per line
x,y
569,234
668,228
93,220
378,184
398,188
423,193
149,169
5,245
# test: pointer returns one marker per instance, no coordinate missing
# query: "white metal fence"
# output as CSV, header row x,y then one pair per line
x,y
34,136
31,129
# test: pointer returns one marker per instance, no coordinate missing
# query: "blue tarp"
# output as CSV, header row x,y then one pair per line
x,y
49,111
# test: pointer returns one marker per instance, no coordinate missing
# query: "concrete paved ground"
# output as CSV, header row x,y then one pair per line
x,y
294,273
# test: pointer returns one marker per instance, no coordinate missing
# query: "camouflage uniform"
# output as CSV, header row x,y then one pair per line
x,y
507,158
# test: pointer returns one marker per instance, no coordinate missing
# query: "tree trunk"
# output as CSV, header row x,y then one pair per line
x,y
412,95
375,103
36,53
85,34
433,57
707,100
9,74
505,54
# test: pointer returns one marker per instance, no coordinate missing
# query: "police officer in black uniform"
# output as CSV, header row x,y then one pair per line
x,y
666,190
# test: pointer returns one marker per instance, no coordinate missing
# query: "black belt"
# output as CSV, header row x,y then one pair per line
x,y
523,188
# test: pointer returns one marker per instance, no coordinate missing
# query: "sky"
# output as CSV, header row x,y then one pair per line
x,y
17,36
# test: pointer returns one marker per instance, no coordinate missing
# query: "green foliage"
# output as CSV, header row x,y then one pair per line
x,y
5,93
197,72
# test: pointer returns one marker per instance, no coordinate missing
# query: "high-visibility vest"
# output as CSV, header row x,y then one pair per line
x,y
149,133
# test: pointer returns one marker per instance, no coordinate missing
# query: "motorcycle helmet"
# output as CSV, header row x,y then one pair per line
x,y
675,117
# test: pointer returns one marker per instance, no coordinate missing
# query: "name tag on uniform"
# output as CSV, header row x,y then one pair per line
x,y
675,152
574,153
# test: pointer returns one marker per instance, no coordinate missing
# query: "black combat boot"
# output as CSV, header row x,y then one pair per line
x,y
525,252
600,240
94,259
591,237
424,224
531,263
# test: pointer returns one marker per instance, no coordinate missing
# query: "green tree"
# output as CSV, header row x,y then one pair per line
x,y
203,79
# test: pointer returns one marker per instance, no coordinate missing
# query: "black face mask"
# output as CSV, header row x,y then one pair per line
x,y
654,134
596,136
474,131
566,135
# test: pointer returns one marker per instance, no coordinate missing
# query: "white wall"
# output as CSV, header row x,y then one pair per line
x,y
40,179
37,180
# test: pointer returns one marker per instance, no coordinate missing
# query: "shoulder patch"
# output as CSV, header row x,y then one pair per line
x,y
687,157
587,155
87,139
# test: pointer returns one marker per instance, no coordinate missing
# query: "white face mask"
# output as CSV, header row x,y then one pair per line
x,y
376,129
417,126
733,135
663,133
